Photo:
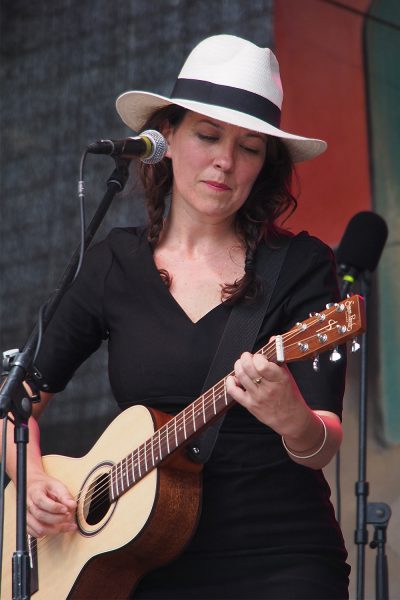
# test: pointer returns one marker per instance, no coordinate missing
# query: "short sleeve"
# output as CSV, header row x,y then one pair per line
x,y
307,283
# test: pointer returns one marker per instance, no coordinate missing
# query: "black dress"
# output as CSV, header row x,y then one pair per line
x,y
267,528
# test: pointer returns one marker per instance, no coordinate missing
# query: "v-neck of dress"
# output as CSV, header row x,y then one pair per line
x,y
172,299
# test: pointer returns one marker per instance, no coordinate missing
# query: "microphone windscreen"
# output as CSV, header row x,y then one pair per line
x,y
363,241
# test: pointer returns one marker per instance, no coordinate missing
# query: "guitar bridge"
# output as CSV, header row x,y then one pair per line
x,y
33,561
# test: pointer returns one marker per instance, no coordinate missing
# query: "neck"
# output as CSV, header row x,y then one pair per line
x,y
198,238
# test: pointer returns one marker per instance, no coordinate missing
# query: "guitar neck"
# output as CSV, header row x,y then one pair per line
x,y
175,434
324,330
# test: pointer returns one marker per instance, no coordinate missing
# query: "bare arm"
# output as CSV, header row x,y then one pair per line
x,y
270,393
50,505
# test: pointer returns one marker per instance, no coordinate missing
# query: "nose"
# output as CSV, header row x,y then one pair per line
x,y
224,156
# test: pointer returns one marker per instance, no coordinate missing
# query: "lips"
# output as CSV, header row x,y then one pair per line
x,y
222,187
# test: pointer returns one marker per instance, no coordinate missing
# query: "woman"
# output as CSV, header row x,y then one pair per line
x,y
267,528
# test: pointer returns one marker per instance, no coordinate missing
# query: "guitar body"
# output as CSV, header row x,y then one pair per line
x,y
116,542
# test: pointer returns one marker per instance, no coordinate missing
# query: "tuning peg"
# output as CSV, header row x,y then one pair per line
x,y
335,355
315,364
339,307
319,316
355,345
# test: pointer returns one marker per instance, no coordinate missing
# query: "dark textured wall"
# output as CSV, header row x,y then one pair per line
x,y
63,63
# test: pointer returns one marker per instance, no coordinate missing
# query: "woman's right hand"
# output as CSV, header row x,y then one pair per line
x,y
50,506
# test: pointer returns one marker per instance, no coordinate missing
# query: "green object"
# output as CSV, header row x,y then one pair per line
x,y
382,44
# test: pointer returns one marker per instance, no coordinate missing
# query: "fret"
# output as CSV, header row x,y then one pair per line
x,y
116,481
132,467
112,483
159,445
135,463
120,476
194,418
225,396
184,424
128,483
167,429
145,456
204,411
121,481
152,451
139,461
176,434
215,408
123,471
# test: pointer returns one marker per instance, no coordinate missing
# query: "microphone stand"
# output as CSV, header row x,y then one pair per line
x,y
13,396
377,514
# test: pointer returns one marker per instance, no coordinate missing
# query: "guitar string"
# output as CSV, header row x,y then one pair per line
x,y
142,451
268,350
46,540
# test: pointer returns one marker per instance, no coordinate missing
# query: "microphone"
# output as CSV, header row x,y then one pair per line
x,y
150,146
361,247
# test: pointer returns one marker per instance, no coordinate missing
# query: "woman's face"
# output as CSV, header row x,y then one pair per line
x,y
215,166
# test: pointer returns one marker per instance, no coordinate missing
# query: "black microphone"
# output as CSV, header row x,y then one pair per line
x,y
361,247
150,146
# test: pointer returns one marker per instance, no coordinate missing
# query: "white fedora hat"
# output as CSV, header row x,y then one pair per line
x,y
229,79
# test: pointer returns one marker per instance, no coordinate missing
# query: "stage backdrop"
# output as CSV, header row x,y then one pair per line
x,y
342,59
63,63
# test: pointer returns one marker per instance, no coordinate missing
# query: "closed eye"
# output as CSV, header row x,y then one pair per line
x,y
250,150
207,138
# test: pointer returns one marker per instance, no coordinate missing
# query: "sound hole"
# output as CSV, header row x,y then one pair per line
x,y
97,501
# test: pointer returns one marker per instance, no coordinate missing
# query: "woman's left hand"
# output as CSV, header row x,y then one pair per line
x,y
269,392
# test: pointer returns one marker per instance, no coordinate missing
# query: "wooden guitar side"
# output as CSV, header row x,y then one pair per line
x,y
147,527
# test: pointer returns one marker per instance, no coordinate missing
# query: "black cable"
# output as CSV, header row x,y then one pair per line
x,y
82,248
360,13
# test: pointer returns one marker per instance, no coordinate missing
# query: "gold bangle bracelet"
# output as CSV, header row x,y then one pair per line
x,y
314,453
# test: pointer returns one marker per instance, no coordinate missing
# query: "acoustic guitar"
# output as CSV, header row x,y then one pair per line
x,y
138,494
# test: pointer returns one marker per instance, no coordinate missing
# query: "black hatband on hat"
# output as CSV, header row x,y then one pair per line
x,y
228,97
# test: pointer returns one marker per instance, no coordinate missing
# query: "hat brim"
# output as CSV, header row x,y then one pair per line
x,y
135,107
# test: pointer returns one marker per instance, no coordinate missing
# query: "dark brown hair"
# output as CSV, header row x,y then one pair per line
x,y
269,199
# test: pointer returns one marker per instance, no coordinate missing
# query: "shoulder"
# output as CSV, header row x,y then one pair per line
x,y
303,244
303,241
306,252
303,251
118,242
113,249
120,238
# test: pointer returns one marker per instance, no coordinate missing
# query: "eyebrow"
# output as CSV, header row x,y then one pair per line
x,y
260,136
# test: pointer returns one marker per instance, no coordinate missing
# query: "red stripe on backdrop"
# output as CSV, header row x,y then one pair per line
x,y
320,52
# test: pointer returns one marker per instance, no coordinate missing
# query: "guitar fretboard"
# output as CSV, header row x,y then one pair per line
x,y
171,436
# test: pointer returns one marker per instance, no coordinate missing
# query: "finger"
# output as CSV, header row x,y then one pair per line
x,y
38,528
41,501
268,370
49,518
235,390
59,493
53,497
246,372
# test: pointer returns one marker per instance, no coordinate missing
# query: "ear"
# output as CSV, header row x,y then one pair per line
x,y
167,131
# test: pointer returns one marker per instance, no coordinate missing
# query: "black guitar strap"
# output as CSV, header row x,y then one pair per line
x,y
239,336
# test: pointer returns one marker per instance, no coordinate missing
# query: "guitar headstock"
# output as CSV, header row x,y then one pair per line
x,y
327,329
